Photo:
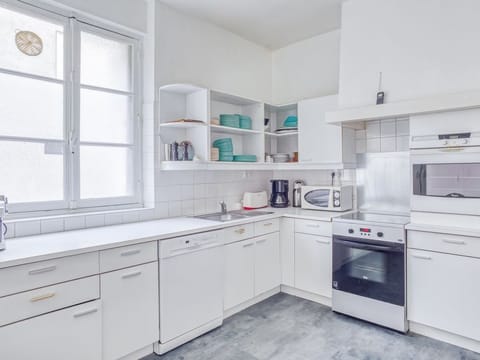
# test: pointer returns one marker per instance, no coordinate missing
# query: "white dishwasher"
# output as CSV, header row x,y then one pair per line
x,y
191,287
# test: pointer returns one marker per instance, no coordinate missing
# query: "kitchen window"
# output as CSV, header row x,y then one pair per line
x,y
69,113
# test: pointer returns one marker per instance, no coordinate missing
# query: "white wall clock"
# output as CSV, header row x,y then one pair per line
x,y
29,43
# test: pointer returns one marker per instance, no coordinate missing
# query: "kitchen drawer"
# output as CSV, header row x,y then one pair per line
x,y
32,303
39,274
321,228
126,256
267,226
240,232
445,243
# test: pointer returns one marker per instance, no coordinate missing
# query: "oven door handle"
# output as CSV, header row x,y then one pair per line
x,y
364,246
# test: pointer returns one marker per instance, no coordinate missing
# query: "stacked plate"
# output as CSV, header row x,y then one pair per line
x,y
245,122
230,120
291,122
225,149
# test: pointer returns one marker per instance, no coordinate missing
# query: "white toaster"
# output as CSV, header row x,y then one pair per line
x,y
255,200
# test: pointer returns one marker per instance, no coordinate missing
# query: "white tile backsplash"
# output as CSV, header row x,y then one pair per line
x,y
387,135
95,220
52,225
74,222
26,228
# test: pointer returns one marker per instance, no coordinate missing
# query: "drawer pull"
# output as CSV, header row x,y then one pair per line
x,y
423,257
312,225
261,241
131,275
42,297
327,242
42,270
240,231
248,245
456,242
85,313
268,224
130,253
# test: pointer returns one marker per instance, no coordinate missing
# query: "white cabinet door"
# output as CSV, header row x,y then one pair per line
x,y
130,310
313,264
443,292
239,273
287,251
267,262
319,142
74,333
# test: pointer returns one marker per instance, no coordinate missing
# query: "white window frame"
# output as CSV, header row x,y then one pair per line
x,y
71,118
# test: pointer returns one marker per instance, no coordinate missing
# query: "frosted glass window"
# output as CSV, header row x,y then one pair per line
x,y
30,108
105,63
49,63
105,117
27,174
106,172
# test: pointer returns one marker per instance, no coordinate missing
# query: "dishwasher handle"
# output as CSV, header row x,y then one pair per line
x,y
192,249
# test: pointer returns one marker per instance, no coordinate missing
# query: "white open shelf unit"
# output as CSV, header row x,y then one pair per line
x,y
185,101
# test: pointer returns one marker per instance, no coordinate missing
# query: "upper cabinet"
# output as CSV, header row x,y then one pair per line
x,y
196,117
320,142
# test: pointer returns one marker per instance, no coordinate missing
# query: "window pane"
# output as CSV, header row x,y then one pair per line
x,y
27,174
105,63
105,117
106,172
30,108
49,62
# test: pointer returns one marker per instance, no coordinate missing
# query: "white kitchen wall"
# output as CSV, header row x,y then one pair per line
x,y
389,135
190,50
422,47
306,69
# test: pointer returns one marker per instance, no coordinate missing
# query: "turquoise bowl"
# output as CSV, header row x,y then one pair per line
x,y
245,122
291,121
245,158
230,120
225,157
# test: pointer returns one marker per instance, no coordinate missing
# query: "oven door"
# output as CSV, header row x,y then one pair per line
x,y
446,181
375,270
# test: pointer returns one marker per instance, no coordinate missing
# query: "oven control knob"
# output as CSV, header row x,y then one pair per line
x,y
465,141
350,231
336,194
380,234
445,142
336,203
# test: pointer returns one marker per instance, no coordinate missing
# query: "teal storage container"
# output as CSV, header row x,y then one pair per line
x,y
245,122
230,120
245,158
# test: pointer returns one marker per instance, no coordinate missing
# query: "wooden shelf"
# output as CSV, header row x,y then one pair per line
x,y
232,130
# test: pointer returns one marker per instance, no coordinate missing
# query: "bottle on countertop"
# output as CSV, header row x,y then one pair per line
x,y
297,193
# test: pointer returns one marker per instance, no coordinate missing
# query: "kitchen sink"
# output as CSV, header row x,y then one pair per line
x,y
233,215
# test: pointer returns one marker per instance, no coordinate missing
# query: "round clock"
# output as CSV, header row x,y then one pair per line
x,y
29,43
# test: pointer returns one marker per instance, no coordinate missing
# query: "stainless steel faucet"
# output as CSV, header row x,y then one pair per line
x,y
223,206
3,226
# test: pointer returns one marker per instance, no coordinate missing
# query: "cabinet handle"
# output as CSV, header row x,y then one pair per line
x,y
248,245
42,297
313,225
128,276
423,257
261,241
268,224
306,160
327,242
240,231
131,252
85,313
456,242
42,270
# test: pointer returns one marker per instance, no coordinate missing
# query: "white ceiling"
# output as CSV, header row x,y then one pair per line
x,y
270,23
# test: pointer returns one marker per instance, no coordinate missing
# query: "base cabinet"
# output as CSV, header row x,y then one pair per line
x,y
313,264
443,292
130,310
74,333
252,267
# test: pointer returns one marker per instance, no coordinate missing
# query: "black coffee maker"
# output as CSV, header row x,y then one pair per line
x,y
279,197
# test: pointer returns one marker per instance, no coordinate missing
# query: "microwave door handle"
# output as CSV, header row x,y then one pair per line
x,y
363,246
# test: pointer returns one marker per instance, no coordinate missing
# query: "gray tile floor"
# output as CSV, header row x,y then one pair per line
x,y
285,327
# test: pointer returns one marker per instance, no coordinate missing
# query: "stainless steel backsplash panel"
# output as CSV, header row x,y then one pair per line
x,y
383,182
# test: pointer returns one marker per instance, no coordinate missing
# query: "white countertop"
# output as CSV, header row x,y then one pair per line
x,y
47,246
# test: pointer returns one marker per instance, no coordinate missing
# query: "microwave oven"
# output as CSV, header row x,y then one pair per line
x,y
330,198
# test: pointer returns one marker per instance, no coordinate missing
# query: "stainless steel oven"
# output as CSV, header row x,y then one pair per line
x,y
368,275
